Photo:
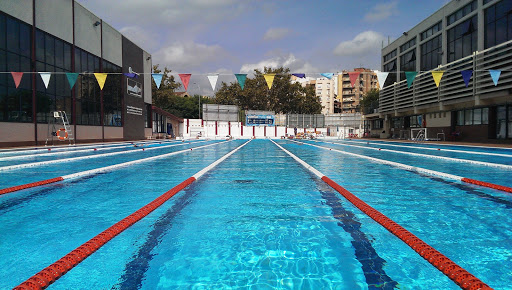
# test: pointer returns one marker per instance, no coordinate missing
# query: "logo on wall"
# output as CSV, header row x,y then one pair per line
x,y
133,88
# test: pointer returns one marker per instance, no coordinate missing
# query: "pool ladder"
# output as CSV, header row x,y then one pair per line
x,y
420,137
52,132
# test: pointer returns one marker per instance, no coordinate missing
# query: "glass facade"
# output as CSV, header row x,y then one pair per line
x,y
431,55
498,23
432,30
112,95
462,39
479,116
407,63
459,14
408,44
15,50
390,67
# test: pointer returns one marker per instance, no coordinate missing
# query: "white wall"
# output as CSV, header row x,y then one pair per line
x,y
21,9
16,132
55,17
112,45
87,36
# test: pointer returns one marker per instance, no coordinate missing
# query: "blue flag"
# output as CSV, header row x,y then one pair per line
x,y
495,75
158,79
327,75
466,76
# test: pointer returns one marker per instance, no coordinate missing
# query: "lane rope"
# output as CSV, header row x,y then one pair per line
x,y
456,273
418,169
97,170
52,273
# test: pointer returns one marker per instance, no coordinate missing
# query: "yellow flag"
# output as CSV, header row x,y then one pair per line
x,y
270,79
437,75
101,78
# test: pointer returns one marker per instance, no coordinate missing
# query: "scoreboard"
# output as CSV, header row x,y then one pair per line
x,y
259,120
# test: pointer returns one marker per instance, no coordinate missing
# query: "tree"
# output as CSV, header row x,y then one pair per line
x,y
163,96
283,97
370,101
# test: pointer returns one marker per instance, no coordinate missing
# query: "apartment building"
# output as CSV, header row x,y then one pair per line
x,y
326,89
350,95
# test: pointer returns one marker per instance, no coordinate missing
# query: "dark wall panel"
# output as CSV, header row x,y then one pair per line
x,y
133,102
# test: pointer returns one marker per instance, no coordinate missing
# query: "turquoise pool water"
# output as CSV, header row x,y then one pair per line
x,y
258,220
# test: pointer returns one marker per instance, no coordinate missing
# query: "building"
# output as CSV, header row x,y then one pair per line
x,y
165,124
64,37
464,35
326,90
348,95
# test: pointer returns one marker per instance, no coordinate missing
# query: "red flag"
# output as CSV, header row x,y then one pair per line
x,y
185,78
17,78
353,77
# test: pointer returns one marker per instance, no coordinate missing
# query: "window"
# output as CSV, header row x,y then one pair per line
x,y
15,44
460,118
498,23
112,95
87,90
390,56
431,53
452,18
390,67
407,45
462,39
147,114
432,30
407,63
478,116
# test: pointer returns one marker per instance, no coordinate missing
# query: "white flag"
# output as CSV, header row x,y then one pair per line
x,y
381,78
213,80
45,76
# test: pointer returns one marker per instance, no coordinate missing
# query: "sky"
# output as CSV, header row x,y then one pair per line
x,y
203,37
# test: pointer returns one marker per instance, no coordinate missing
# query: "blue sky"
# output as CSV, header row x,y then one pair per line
x,y
232,36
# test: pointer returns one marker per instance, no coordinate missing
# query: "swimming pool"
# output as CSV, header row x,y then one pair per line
x,y
258,219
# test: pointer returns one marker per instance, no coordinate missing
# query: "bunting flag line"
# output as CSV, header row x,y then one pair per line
x,y
185,79
72,77
381,78
495,75
353,77
270,79
241,79
328,75
301,76
45,76
437,75
410,76
213,80
466,76
17,78
101,78
158,79
131,75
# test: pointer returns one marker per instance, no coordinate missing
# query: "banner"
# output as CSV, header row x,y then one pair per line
x,y
353,77
381,78
328,75
269,78
158,79
410,76
495,75
466,76
213,80
299,75
72,77
17,78
185,78
45,76
131,75
437,75
101,78
241,79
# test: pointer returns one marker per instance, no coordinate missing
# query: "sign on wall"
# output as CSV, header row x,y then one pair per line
x,y
134,88
259,120
134,110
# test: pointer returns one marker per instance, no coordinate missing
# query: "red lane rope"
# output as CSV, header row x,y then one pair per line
x,y
30,185
453,271
487,184
53,272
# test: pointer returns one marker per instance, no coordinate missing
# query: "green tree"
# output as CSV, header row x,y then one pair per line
x,y
163,96
283,97
370,101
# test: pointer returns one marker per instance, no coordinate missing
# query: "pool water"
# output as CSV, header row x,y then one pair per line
x,y
259,220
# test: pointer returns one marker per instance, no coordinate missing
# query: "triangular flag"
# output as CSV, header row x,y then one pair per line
x,y
17,78
327,75
410,76
213,80
270,79
466,76
241,79
45,76
185,78
131,75
158,79
72,77
300,75
437,75
381,78
101,78
353,77
495,75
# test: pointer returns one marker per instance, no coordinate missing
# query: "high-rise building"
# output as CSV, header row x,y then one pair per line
x,y
349,95
467,38
326,90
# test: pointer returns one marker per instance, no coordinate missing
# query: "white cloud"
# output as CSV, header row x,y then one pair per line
x,y
141,37
186,56
364,43
382,11
288,61
276,33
